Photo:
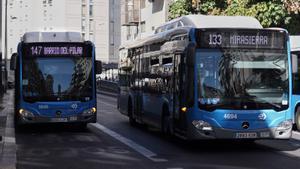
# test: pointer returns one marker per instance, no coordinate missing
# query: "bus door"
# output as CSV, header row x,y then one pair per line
x,y
152,84
137,86
178,78
296,87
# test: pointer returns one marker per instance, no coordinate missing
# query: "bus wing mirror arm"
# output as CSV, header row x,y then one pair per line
x,y
98,67
13,61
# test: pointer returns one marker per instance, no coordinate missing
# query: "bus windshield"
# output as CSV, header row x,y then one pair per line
x,y
242,79
66,78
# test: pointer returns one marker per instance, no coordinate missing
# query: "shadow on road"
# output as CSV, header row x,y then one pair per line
x,y
223,145
65,146
51,128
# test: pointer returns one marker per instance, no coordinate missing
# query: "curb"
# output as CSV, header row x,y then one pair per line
x,y
8,159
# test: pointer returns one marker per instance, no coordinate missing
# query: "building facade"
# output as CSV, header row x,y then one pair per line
x,y
104,26
93,18
141,17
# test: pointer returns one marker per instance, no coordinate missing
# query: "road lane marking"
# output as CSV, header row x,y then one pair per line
x,y
140,149
10,140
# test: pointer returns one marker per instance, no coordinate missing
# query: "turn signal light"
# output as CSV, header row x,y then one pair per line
x,y
183,109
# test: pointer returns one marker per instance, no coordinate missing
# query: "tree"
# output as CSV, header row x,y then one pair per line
x,y
270,13
293,6
179,8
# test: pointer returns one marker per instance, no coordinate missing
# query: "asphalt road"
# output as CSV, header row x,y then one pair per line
x,y
113,143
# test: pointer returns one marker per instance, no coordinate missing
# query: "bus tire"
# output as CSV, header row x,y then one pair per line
x,y
166,126
132,121
297,118
82,126
17,125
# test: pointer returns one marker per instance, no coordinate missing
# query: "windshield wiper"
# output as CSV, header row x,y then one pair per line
x,y
255,98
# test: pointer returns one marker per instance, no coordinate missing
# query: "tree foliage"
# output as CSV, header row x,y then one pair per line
x,y
270,13
179,8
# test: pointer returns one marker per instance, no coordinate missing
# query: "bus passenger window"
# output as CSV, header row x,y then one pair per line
x,y
296,70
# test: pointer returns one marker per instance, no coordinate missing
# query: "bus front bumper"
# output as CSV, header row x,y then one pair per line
x,y
222,133
65,119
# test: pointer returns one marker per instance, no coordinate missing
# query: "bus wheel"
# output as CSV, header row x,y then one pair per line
x,y
297,118
132,121
166,125
82,126
17,124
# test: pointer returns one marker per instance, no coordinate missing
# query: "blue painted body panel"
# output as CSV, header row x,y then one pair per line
x,y
65,107
216,118
151,108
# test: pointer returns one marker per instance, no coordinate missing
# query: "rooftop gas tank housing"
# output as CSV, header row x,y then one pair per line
x,y
33,37
295,43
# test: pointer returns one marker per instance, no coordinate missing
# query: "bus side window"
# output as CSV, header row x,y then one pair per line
x,y
145,73
295,63
167,63
154,73
296,78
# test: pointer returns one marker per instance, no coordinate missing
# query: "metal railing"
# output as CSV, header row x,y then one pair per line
x,y
108,86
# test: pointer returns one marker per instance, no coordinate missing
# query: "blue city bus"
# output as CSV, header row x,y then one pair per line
x,y
55,79
295,52
209,77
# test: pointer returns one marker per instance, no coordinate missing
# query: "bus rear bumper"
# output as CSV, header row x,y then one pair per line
x,y
221,133
69,119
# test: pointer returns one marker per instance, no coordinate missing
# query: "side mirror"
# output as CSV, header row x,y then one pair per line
x,y
13,61
98,67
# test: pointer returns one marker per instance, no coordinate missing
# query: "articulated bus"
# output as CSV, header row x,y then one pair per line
x,y
209,77
55,79
295,52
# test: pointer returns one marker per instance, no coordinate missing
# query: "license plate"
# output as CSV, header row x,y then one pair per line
x,y
246,135
59,119
265,134
73,118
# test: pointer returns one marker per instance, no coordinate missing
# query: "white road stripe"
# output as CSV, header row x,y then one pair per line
x,y
10,140
140,149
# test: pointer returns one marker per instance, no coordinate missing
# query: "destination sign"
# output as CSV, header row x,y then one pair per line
x,y
65,50
54,49
247,38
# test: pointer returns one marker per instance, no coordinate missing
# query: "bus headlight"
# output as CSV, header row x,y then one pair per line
x,y
89,112
25,113
202,125
285,125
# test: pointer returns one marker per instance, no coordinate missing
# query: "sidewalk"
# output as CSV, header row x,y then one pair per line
x,y
8,143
